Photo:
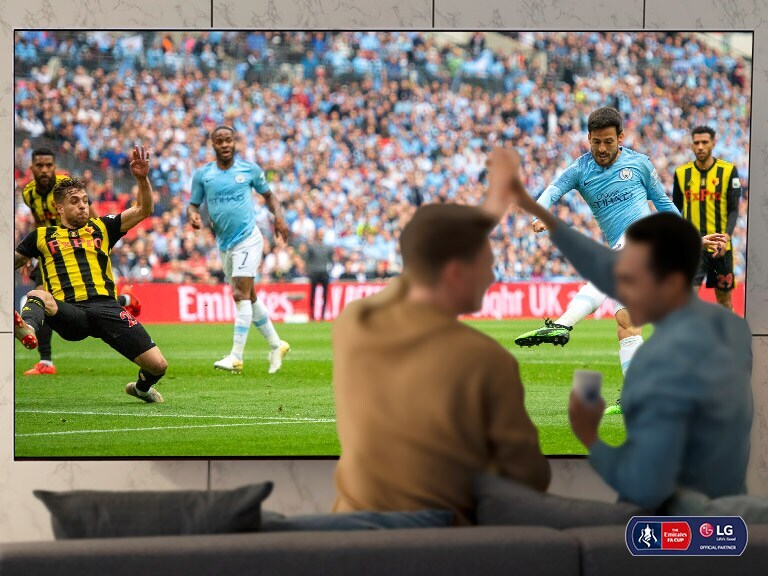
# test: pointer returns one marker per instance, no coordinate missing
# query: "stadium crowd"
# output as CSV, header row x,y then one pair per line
x,y
356,129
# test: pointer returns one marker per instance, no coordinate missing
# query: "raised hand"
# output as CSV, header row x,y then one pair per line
x,y
140,162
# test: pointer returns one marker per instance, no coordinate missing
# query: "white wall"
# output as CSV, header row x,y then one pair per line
x,y
304,486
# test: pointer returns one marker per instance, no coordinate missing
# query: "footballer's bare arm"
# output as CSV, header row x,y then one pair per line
x,y
144,205
281,227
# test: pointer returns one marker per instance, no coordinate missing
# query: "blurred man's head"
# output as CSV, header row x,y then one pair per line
x,y
703,142
44,169
446,251
605,135
655,270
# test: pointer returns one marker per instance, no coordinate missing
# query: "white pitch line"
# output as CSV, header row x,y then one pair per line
x,y
64,432
190,416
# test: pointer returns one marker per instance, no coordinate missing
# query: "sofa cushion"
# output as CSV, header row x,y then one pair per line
x,y
504,502
685,502
274,522
102,514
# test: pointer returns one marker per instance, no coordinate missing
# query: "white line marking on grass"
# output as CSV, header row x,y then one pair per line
x,y
64,432
157,415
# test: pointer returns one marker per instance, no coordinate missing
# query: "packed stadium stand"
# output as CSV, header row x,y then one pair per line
x,y
356,129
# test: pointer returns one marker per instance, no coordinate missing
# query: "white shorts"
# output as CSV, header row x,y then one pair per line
x,y
243,260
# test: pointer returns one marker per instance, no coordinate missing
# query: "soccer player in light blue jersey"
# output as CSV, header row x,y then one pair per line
x,y
617,184
226,187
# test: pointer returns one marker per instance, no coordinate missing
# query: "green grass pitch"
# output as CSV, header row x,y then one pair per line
x,y
84,412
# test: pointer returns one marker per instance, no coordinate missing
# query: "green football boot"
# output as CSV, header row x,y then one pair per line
x,y
550,333
613,409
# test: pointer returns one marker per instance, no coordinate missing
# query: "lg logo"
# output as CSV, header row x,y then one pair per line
x,y
707,530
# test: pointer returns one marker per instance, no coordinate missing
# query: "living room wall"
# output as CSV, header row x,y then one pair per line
x,y
306,486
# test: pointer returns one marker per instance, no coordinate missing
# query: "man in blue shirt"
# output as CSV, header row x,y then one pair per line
x,y
226,187
617,184
687,397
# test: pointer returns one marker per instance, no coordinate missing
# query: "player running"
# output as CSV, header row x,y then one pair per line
x,y
616,183
79,299
225,185
38,196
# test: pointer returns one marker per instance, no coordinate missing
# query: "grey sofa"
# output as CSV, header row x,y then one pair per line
x,y
481,551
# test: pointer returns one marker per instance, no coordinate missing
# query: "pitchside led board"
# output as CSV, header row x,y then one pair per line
x,y
350,131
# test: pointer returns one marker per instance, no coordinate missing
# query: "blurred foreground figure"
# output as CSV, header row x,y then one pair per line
x,y
424,402
687,398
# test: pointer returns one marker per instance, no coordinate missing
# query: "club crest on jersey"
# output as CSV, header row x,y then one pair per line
x,y
88,229
626,174
240,178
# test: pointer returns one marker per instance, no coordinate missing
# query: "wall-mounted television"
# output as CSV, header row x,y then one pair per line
x,y
349,132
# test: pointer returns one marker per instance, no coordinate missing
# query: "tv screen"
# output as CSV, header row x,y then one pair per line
x,y
351,132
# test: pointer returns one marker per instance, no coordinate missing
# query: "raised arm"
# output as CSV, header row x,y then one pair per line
x,y
144,203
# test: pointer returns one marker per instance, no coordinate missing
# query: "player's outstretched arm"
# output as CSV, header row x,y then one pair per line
x,y
144,203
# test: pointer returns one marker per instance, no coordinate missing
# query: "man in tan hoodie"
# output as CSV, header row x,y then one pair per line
x,y
424,402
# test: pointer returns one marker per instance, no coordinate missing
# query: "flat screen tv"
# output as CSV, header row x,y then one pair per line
x,y
351,131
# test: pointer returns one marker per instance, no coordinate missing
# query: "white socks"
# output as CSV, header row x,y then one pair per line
x,y
627,349
242,325
264,324
586,301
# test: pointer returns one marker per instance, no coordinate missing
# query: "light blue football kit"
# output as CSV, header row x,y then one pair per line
x,y
617,195
228,196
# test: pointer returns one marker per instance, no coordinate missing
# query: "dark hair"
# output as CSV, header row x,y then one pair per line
x,y
439,233
222,127
604,118
675,244
703,130
66,186
42,152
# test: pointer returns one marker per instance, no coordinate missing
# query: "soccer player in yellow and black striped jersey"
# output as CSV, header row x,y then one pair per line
x,y
38,195
707,193
79,299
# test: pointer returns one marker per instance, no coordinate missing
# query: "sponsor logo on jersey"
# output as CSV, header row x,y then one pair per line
x,y
603,200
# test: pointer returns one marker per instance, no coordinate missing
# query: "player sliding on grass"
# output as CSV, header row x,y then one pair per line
x,y
79,299
617,184
38,196
226,186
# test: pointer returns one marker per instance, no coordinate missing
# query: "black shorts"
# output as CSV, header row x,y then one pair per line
x,y
717,271
101,318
